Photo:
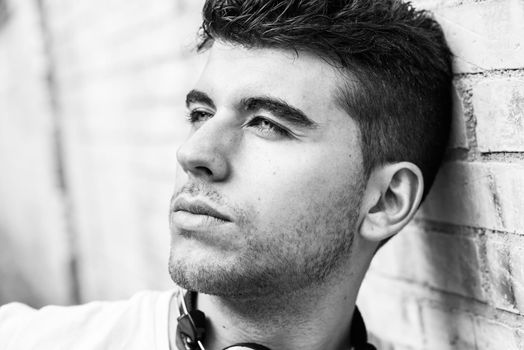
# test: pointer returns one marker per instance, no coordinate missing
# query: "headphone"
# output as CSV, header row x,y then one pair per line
x,y
191,328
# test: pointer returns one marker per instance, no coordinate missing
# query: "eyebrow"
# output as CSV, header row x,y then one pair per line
x,y
278,107
196,96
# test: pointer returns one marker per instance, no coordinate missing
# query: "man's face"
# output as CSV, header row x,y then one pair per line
x,y
272,176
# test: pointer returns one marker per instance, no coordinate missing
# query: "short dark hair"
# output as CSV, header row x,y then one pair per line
x,y
397,62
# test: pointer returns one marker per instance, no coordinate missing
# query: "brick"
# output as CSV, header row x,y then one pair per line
x,y
486,195
507,189
450,263
398,257
516,252
443,261
505,264
458,136
391,312
494,335
499,267
448,329
498,104
484,35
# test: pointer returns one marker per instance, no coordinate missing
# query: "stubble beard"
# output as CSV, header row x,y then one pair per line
x,y
274,266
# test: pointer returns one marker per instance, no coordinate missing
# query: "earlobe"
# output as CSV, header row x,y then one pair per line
x,y
392,196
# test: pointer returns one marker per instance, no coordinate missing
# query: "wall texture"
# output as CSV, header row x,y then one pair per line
x,y
91,114
454,279
92,111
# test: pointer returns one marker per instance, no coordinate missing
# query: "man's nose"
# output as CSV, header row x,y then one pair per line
x,y
206,153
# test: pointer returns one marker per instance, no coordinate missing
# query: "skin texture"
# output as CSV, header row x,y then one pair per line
x,y
293,199
299,223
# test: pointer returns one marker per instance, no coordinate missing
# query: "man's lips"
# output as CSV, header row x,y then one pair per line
x,y
201,220
199,207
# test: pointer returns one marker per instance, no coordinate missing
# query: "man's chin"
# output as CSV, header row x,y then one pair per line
x,y
220,277
202,278
199,269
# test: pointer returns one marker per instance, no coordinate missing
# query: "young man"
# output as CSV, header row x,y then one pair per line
x,y
317,129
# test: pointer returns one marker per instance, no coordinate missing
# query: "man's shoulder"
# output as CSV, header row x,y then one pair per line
x,y
133,323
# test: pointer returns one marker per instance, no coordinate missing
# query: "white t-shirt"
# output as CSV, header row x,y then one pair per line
x,y
138,323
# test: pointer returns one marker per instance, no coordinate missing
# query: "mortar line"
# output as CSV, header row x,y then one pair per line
x,y
489,72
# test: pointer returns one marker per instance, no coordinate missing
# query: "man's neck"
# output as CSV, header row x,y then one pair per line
x,y
312,318
306,320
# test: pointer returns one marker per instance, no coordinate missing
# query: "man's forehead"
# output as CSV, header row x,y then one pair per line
x,y
233,73
272,62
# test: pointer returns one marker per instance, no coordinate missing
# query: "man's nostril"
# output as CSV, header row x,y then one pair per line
x,y
204,170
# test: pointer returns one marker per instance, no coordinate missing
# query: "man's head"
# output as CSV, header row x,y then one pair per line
x,y
315,126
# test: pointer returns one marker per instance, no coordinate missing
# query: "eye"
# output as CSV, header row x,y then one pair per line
x,y
268,128
197,116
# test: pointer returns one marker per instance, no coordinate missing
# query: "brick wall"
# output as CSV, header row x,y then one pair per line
x,y
122,69
34,253
91,94
454,279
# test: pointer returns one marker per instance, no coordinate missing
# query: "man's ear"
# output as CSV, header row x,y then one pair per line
x,y
392,196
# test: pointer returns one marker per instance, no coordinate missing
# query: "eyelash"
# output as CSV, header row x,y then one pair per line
x,y
196,116
276,128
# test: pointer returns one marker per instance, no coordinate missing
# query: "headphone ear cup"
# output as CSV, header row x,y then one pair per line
x,y
199,319
192,326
